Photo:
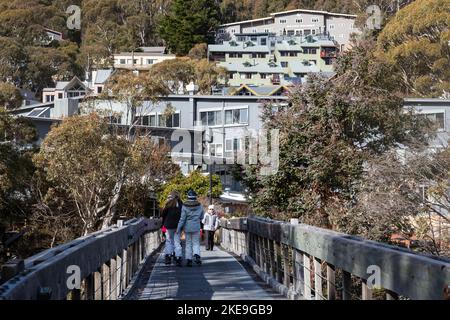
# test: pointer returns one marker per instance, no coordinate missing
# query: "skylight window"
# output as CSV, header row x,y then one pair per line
x,y
37,112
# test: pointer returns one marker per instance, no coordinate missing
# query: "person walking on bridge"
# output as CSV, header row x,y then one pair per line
x,y
171,216
191,216
210,225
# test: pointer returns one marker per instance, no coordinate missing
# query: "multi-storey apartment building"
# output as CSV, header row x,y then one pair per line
x,y
264,59
142,60
298,22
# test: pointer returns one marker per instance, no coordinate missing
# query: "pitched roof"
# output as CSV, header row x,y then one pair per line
x,y
102,76
263,91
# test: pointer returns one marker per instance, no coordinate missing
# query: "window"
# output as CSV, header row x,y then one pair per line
x,y
314,19
246,75
150,61
216,149
307,32
233,145
438,118
211,118
328,61
331,26
170,121
290,32
282,20
236,116
313,31
309,50
263,76
235,55
258,55
99,89
254,39
122,61
299,21
60,95
284,64
114,119
263,41
149,120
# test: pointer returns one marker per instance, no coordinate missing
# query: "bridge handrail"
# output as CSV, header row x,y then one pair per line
x,y
306,250
108,256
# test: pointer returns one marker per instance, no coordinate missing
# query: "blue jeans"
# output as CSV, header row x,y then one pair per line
x,y
192,244
170,241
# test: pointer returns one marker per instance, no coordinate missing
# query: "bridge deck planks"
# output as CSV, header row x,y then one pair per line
x,y
220,277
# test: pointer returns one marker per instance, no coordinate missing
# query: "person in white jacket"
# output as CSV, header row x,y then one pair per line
x,y
210,225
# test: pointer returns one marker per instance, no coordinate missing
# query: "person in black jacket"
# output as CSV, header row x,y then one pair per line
x,y
171,216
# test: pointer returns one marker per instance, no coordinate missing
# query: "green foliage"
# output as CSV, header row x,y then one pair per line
x,y
16,168
10,96
415,43
326,134
189,22
85,171
203,73
194,181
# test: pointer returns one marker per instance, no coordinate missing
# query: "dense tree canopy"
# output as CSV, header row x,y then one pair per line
x,y
416,43
189,22
326,134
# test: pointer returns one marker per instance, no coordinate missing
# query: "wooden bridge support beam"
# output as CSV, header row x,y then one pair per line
x,y
277,252
113,279
318,279
331,282
97,285
306,277
346,286
106,281
286,268
365,291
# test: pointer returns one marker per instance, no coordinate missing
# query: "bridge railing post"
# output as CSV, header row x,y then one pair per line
x,y
331,282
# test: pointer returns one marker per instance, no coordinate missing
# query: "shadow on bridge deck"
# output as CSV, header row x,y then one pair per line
x,y
220,277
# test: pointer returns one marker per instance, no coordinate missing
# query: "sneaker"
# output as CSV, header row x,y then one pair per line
x,y
168,259
189,263
197,259
178,261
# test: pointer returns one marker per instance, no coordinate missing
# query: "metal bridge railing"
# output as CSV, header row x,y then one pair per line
x,y
104,263
305,262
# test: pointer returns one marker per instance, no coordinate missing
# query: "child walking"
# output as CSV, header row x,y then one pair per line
x,y
191,216
210,225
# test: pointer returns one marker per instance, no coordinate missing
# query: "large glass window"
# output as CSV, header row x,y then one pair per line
x,y
236,116
169,121
211,118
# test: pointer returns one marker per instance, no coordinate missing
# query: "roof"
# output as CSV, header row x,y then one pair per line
x,y
144,54
102,76
62,85
259,67
240,47
290,11
53,31
314,11
299,44
300,67
264,91
154,49
244,21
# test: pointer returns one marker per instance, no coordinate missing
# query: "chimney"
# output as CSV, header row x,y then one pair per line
x,y
192,88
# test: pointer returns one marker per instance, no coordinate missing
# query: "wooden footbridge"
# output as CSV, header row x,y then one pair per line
x,y
258,259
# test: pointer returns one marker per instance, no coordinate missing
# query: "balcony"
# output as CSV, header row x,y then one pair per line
x,y
328,54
